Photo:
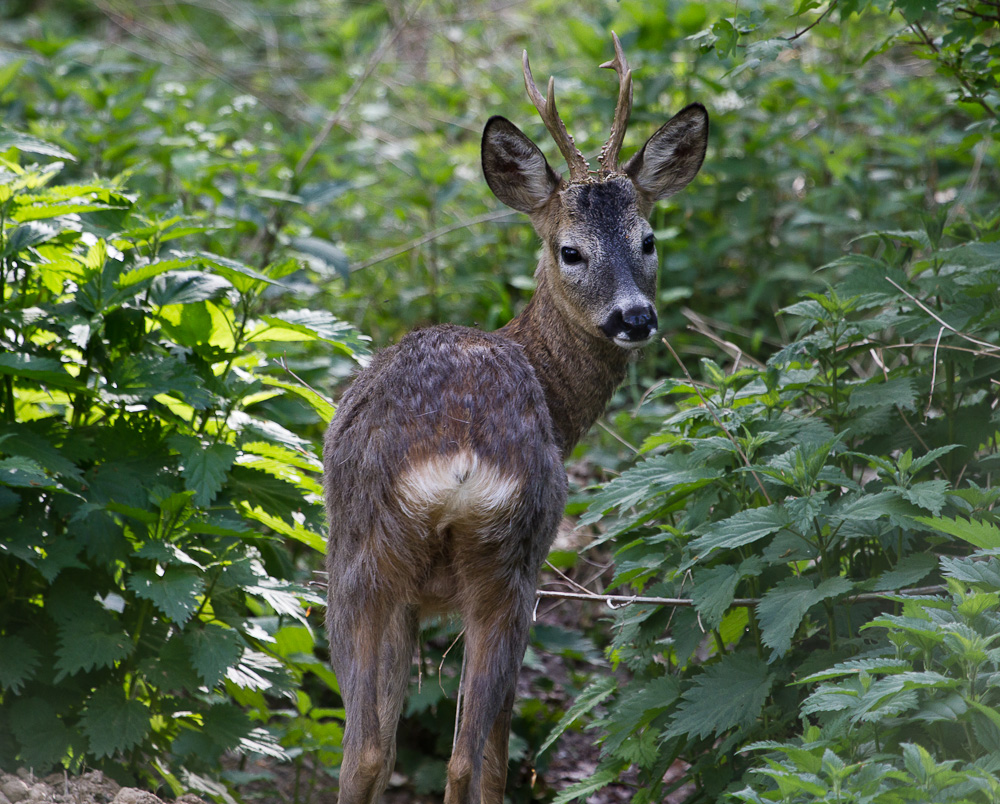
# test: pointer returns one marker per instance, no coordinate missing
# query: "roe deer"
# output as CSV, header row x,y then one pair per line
x,y
443,466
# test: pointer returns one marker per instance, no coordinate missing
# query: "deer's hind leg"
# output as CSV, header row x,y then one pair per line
x,y
371,646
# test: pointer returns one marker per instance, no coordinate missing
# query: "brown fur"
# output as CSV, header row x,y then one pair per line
x,y
443,466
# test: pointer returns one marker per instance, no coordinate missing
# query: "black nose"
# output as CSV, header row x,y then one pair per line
x,y
635,323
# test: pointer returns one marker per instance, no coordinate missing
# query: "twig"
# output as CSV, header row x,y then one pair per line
x,y
373,62
615,436
808,28
395,251
616,601
930,394
992,347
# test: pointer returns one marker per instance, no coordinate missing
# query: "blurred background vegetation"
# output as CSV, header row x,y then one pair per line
x,y
334,146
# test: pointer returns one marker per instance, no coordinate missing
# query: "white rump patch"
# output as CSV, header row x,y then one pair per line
x,y
457,488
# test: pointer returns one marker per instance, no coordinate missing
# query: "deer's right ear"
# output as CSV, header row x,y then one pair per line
x,y
515,169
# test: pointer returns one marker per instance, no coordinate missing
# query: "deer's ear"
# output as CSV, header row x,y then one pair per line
x,y
515,169
672,156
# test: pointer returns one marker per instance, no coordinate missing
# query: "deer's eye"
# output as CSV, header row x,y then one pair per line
x,y
648,244
570,256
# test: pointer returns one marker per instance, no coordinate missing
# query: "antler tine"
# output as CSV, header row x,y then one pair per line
x,y
578,168
611,149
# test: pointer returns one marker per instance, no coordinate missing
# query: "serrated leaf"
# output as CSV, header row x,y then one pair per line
x,y
908,571
929,495
175,591
595,692
41,369
984,535
32,145
704,711
205,467
18,663
213,650
112,723
895,392
662,474
41,734
853,667
782,608
745,527
91,638
179,287
713,591
985,572
580,790
298,531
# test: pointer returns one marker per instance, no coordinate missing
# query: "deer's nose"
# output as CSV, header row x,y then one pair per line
x,y
633,324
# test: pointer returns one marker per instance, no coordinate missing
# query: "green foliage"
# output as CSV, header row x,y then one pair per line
x,y
783,497
270,172
918,723
141,594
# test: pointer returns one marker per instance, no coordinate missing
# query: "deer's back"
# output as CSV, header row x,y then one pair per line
x,y
439,446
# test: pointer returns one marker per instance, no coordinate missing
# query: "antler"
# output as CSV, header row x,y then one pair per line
x,y
579,170
611,149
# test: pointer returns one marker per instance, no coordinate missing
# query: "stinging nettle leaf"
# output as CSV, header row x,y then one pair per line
x,y
782,608
745,527
704,711
18,663
213,651
112,723
175,591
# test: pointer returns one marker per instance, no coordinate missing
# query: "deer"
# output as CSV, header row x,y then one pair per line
x,y
444,472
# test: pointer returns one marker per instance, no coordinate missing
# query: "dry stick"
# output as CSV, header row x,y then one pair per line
x,y
934,359
718,421
617,601
990,347
388,254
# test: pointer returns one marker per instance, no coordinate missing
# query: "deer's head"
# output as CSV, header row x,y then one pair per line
x,y
599,258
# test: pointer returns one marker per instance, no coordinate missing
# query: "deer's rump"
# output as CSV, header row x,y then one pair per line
x,y
439,447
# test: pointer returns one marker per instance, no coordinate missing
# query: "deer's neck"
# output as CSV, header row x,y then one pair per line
x,y
578,371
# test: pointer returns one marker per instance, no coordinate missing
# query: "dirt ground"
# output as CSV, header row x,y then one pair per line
x,y
90,788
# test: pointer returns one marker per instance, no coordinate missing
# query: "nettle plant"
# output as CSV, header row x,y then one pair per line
x,y
152,521
783,501
915,719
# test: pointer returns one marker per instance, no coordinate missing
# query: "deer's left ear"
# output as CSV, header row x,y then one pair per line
x,y
672,156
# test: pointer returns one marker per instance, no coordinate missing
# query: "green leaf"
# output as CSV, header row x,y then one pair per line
x,y
24,472
706,710
174,591
113,723
18,663
91,638
205,467
595,692
908,571
324,407
43,737
984,535
669,474
297,531
929,495
41,369
580,790
31,145
745,527
213,651
897,392
782,608
853,667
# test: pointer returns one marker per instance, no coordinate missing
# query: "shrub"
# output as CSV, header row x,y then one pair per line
x,y
153,523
